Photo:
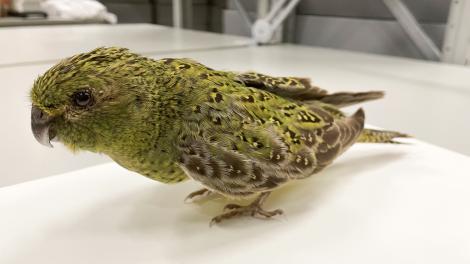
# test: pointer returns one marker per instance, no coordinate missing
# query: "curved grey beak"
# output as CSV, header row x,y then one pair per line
x,y
40,124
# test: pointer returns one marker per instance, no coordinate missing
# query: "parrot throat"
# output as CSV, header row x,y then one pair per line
x,y
146,143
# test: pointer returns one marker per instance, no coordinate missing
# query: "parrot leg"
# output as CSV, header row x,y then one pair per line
x,y
198,195
253,209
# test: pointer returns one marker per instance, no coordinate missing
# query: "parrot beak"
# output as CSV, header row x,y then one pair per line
x,y
40,125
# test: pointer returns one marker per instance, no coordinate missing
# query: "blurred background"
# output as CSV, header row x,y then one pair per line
x,y
373,26
417,51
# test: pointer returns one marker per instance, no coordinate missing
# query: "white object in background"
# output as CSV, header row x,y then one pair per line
x,y
31,5
77,10
17,5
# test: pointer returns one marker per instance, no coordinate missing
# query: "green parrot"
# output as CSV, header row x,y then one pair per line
x,y
238,134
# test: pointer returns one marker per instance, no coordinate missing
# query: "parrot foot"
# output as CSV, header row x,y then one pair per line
x,y
198,195
254,209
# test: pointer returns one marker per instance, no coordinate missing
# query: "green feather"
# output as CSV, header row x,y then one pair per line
x,y
170,118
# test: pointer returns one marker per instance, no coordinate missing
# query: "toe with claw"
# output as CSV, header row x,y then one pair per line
x,y
254,209
198,195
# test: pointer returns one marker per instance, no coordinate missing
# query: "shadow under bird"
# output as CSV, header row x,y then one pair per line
x,y
238,134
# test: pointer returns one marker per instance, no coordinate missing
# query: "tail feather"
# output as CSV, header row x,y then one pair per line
x,y
346,99
380,136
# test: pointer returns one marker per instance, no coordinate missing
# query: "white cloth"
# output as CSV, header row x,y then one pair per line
x,y
17,5
77,10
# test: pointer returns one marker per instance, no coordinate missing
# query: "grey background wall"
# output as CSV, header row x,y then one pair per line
x,y
359,25
135,11
205,15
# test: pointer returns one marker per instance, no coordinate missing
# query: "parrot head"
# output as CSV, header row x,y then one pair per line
x,y
85,101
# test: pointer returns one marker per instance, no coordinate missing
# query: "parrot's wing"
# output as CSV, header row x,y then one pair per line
x,y
301,89
289,87
237,145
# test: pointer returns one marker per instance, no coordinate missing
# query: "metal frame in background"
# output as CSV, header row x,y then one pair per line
x,y
264,28
457,37
413,29
456,48
180,17
177,9
271,14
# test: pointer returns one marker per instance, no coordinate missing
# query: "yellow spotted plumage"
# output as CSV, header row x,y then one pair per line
x,y
238,134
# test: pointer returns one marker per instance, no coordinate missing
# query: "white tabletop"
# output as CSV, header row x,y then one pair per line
x,y
376,204
35,44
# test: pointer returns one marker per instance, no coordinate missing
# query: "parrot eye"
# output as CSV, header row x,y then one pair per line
x,y
82,98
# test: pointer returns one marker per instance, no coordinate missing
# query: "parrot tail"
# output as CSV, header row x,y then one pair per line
x,y
343,99
380,136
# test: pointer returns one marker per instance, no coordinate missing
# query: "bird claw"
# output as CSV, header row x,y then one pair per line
x,y
197,195
267,214
236,210
230,207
